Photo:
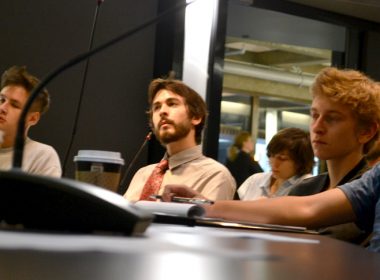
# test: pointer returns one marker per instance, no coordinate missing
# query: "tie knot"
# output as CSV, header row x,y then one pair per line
x,y
163,164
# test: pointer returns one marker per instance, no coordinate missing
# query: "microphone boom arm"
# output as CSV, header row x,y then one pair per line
x,y
20,137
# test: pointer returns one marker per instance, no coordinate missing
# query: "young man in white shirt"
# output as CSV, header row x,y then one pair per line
x,y
16,87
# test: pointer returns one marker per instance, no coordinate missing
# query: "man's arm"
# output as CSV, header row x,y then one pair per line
x,y
323,209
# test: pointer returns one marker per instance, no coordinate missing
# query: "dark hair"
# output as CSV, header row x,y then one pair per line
x,y
297,143
19,76
193,101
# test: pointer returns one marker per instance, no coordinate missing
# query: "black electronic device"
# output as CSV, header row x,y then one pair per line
x,y
65,205
58,204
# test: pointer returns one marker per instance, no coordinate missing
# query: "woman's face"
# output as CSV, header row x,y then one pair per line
x,y
283,167
248,145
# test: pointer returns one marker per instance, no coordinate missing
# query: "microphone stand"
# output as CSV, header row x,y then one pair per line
x,y
84,80
123,181
20,139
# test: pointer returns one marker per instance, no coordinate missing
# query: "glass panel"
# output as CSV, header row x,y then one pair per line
x,y
266,88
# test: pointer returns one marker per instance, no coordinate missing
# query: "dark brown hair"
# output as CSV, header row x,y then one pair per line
x,y
195,104
296,142
19,76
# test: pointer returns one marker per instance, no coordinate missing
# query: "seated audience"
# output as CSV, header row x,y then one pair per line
x,y
177,117
16,87
351,132
240,161
291,160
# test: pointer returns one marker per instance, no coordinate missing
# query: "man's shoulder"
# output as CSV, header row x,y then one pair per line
x,y
211,162
148,166
212,167
38,151
260,178
311,185
38,146
314,179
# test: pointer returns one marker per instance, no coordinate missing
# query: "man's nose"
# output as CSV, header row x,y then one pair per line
x,y
274,162
317,126
163,110
4,107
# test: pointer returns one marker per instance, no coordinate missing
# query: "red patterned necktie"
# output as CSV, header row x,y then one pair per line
x,y
154,181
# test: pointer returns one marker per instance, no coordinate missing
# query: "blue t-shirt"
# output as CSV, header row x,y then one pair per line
x,y
364,196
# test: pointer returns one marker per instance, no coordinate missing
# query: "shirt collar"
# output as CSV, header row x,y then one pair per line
x,y
291,181
184,156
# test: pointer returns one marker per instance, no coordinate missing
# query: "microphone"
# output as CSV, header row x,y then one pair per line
x,y
46,203
123,182
84,80
20,140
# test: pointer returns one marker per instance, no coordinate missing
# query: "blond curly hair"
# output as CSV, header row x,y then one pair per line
x,y
356,91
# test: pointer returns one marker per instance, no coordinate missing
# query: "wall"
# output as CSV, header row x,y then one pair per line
x,y
371,55
43,34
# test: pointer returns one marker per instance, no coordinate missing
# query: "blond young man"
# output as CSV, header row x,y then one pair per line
x,y
351,134
343,116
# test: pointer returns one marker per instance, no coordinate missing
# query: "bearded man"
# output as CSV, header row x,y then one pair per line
x,y
177,117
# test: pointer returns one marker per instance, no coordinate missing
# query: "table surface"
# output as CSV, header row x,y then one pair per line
x,y
183,252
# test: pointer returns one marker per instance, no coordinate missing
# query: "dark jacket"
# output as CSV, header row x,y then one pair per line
x,y
320,183
242,167
313,185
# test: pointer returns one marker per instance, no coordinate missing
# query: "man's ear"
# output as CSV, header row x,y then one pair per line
x,y
366,134
195,121
32,118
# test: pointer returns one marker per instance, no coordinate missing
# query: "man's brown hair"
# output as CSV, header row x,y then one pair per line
x,y
19,76
195,104
296,142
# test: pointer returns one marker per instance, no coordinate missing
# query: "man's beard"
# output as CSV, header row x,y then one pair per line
x,y
180,131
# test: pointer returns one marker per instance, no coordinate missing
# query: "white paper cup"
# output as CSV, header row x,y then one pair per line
x,y
101,168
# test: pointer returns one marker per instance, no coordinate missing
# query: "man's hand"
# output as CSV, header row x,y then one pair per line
x,y
179,190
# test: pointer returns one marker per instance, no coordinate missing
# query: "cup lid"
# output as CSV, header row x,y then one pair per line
x,y
99,156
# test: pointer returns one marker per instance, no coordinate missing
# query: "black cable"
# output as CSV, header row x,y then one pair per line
x,y
123,181
20,139
84,80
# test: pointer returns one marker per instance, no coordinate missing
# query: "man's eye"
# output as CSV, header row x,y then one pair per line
x,y
314,116
16,105
331,119
283,158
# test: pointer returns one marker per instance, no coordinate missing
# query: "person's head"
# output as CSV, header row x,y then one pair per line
x,y
242,142
290,153
16,86
175,110
345,113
